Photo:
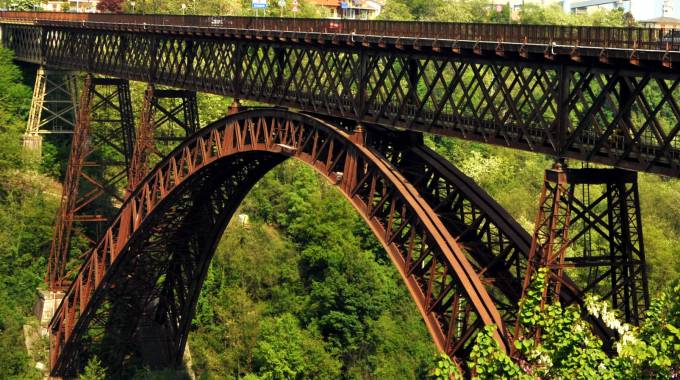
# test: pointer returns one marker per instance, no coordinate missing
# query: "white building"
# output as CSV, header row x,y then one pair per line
x,y
71,5
640,9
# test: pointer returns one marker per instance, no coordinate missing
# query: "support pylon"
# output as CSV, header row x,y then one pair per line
x,y
96,173
595,234
550,239
53,107
167,118
608,254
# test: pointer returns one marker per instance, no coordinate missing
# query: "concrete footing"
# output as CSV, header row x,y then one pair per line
x,y
45,307
32,143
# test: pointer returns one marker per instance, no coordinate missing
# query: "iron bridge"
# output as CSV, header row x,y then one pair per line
x,y
351,99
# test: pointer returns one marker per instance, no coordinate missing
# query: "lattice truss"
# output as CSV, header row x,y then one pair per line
x,y
589,226
54,104
96,174
623,116
141,282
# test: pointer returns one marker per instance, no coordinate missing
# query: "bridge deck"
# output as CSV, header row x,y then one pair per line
x,y
640,44
586,93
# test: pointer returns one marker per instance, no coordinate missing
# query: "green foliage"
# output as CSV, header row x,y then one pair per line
x,y
568,349
163,374
483,11
23,5
27,207
444,368
653,352
286,351
298,275
94,370
488,361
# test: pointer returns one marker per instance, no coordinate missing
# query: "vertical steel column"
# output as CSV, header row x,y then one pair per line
x,y
53,107
279,71
61,241
563,91
168,117
413,77
144,142
362,79
603,231
96,172
550,239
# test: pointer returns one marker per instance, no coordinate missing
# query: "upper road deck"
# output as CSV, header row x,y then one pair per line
x,y
639,46
598,94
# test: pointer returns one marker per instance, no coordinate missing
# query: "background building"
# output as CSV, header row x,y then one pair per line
x,y
352,9
642,10
71,5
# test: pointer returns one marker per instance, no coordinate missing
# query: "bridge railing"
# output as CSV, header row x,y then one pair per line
x,y
658,39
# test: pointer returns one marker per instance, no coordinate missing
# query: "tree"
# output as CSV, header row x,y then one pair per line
x,y
410,9
110,6
24,5
94,370
569,350
285,351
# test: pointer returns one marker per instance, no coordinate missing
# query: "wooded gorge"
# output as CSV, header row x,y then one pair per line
x,y
300,289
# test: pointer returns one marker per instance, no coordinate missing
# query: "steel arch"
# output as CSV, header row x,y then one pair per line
x,y
142,280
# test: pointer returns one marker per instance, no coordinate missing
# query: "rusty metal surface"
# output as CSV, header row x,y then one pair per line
x,y
91,185
616,112
628,38
132,256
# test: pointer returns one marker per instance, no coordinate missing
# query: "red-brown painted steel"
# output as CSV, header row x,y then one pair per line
x,y
103,122
448,291
550,93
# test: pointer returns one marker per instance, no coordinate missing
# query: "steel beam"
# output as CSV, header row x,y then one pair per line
x,y
624,115
589,225
97,169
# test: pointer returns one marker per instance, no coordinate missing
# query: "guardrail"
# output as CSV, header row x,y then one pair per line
x,y
657,39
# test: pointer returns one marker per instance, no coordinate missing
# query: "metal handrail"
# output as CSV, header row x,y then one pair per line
x,y
659,39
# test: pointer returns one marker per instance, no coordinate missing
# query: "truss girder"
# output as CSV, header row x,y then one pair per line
x,y
101,148
625,115
142,279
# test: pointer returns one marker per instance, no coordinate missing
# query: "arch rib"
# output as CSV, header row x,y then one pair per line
x,y
448,292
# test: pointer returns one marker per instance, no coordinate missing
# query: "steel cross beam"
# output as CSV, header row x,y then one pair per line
x,y
168,117
589,225
97,169
616,112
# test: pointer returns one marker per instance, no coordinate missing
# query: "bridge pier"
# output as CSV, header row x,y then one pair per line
x,y
589,224
98,164
53,108
45,307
